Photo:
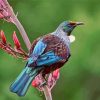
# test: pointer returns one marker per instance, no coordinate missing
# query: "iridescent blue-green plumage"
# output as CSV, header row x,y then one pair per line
x,y
46,55
21,84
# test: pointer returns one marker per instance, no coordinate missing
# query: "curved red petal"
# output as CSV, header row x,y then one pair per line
x,y
16,41
2,35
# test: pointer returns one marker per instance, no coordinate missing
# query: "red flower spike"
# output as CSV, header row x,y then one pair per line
x,y
16,41
5,12
56,74
2,35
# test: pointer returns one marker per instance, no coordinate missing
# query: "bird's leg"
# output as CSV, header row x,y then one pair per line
x,y
43,84
44,80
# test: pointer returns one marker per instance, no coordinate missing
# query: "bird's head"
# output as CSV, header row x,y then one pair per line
x,y
68,26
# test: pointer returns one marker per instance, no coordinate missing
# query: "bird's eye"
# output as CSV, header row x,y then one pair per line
x,y
64,28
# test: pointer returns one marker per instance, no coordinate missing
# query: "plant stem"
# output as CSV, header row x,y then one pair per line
x,y
19,26
47,93
21,29
23,33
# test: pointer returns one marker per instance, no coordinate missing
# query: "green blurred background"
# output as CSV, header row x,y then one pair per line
x,y
80,77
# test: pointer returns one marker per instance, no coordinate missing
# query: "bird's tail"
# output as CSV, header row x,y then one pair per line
x,y
23,81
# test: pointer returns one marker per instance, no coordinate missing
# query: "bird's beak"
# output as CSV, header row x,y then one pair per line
x,y
76,23
79,23
72,26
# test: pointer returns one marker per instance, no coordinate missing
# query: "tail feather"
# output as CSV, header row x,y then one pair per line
x,y
23,81
16,82
24,89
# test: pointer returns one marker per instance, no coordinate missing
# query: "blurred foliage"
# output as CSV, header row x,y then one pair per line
x,y
80,77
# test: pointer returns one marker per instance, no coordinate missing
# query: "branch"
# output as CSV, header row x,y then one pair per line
x,y
47,92
19,26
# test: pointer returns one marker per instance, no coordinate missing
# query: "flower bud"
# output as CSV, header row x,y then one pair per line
x,y
2,35
56,74
34,83
1,16
16,41
5,11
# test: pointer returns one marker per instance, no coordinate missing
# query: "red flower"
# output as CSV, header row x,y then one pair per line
x,y
34,83
1,16
51,80
38,82
5,12
16,41
2,35
56,74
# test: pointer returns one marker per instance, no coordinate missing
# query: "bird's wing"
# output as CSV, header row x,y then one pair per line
x,y
39,58
48,58
38,50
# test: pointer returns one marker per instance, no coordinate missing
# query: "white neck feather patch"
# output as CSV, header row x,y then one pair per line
x,y
71,38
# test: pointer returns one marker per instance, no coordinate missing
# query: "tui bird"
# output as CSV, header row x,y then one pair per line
x,y
47,54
